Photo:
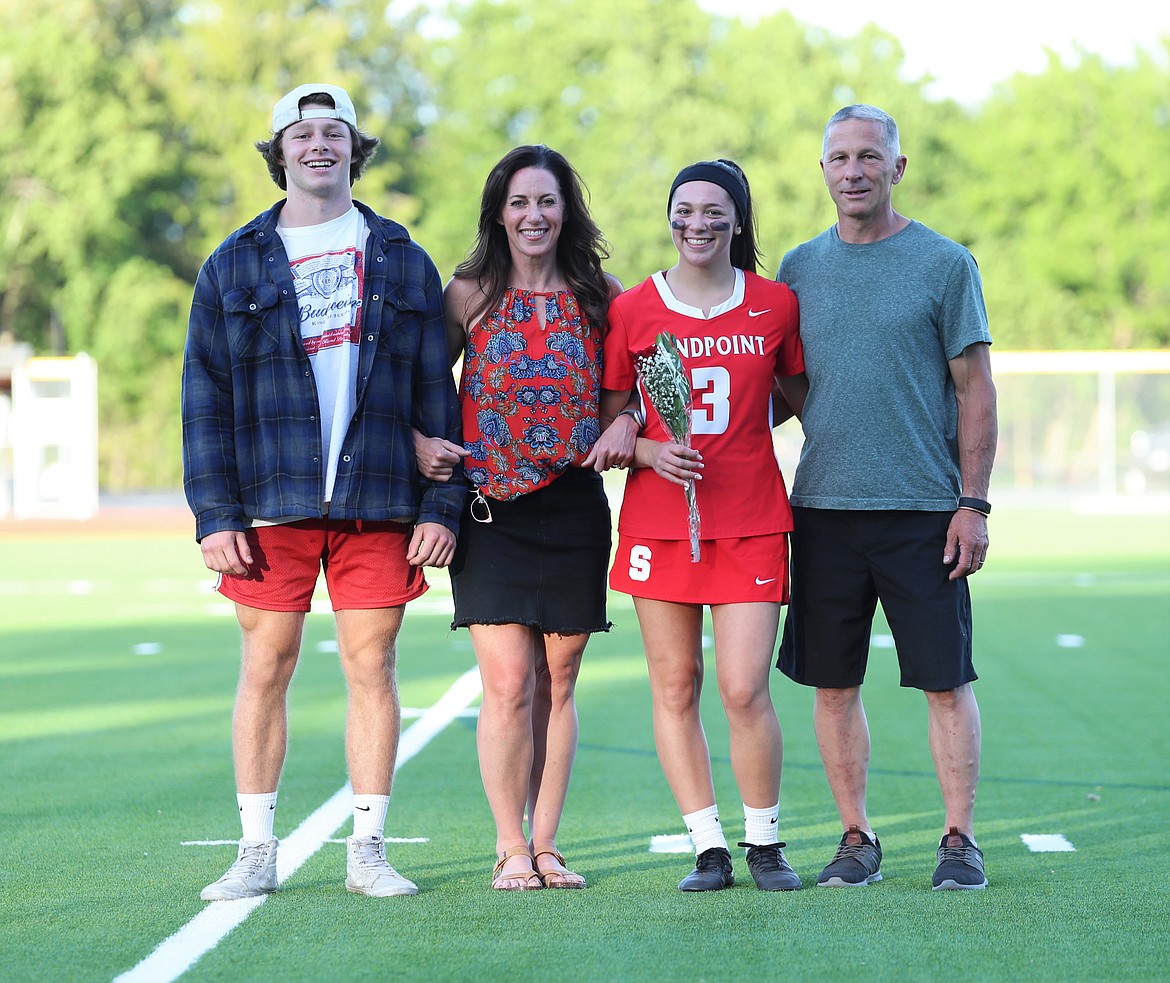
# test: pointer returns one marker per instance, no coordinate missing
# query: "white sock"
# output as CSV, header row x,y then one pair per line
x,y
705,830
257,813
369,814
759,825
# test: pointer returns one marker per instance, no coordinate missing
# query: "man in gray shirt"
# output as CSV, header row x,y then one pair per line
x,y
890,494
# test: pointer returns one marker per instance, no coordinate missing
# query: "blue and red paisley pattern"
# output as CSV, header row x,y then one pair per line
x,y
529,394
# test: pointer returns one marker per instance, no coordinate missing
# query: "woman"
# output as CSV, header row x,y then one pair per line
x,y
737,333
528,306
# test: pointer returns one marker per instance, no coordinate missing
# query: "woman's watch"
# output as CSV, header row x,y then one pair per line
x,y
636,413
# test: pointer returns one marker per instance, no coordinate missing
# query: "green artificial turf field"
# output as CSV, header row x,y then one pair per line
x,y
117,671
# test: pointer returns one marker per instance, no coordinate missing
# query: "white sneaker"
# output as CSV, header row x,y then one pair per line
x,y
253,873
368,872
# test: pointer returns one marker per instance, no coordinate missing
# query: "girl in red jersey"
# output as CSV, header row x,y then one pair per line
x,y
737,336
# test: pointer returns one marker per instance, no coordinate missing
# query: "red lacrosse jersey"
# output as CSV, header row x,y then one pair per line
x,y
732,355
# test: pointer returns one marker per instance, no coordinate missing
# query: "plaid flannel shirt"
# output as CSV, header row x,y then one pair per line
x,y
251,435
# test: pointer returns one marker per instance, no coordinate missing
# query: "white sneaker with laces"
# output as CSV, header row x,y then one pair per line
x,y
368,873
253,873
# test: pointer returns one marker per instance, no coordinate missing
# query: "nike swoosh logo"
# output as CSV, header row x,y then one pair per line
x,y
363,808
752,313
760,583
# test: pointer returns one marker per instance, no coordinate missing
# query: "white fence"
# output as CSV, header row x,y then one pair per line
x,y
1075,425
1083,423
1072,425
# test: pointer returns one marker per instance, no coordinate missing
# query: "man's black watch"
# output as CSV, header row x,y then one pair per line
x,y
975,505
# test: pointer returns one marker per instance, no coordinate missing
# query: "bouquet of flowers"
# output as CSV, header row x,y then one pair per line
x,y
668,387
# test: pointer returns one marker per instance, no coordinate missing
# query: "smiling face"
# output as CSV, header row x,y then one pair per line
x,y
860,172
702,223
532,214
317,157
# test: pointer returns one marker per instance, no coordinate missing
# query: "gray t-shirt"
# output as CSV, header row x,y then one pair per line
x,y
879,322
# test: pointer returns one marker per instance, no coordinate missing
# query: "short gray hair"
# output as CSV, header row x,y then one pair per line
x,y
863,110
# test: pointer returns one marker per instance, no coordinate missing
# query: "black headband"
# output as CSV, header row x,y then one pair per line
x,y
716,173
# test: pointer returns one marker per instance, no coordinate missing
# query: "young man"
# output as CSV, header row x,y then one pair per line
x,y
889,498
316,342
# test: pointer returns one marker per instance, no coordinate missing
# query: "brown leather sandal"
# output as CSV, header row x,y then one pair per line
x,y
525,878
564,879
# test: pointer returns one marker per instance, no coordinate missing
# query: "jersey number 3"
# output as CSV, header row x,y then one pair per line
x,y
712,399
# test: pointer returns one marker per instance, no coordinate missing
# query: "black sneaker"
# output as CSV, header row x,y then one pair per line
x,y
712,871
857,862
960,864
770,870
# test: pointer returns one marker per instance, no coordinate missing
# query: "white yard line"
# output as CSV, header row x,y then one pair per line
x,y
671,843
1047,843
181,951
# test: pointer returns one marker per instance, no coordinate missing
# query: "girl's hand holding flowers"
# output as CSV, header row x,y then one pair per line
x,y
668,388
678,463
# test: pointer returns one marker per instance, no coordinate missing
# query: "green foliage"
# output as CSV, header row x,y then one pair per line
x,y
1075,249
618,109
643,90
127,155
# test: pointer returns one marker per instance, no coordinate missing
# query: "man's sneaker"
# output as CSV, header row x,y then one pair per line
x,y
368,873
712,872
960,864
857,862
253,873
770,870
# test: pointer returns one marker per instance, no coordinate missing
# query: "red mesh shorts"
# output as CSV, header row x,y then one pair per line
x,y
364,562
729,571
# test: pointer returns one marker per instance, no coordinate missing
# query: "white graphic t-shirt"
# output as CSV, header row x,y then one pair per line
x,y
328,269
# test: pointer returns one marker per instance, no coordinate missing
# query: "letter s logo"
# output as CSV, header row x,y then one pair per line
x,y
640,557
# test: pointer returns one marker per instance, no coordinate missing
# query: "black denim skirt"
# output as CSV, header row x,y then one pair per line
x,y
540,562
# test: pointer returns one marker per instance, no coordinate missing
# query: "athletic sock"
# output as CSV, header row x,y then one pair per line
x,y
369,814
257,814
759,825
705,829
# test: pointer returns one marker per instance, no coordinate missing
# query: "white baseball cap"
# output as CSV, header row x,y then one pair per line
x,y
287,111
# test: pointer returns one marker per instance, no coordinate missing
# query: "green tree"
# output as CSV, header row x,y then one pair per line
x,y
127,155
1065,200
87,171
636,91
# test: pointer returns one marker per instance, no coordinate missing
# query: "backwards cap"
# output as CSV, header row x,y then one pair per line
x,y
287,111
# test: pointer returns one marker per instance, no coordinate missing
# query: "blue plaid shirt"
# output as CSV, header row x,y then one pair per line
x,y
251,434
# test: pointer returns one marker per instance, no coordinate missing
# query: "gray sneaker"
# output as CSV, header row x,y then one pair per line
x,y
857,862
253,873
368,872
960,864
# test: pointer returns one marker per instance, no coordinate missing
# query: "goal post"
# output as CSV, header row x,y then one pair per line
x,y
53,432
1083,423
1090,428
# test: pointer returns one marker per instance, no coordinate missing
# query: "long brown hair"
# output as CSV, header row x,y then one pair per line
x,y
580,246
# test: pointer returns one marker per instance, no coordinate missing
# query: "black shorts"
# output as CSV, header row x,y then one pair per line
x,y
843,563
540,562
